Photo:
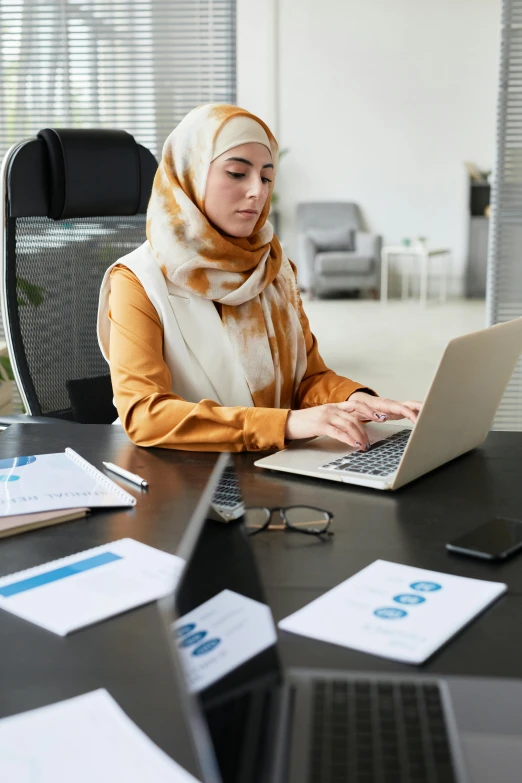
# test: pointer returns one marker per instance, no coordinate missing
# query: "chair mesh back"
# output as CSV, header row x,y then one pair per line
x,y
59,269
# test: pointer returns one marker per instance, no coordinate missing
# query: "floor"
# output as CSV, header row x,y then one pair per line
x,y
393,348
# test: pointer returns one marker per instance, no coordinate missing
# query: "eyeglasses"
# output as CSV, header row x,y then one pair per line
x,y
300,519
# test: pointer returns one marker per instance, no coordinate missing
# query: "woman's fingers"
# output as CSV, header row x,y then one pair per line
x,y
338,434
351,427
379,409
415,404
362,410
398,410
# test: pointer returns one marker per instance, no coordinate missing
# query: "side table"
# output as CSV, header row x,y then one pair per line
x,y
421,256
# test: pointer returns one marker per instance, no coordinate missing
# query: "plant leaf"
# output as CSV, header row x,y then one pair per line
x,y
29,293
6,364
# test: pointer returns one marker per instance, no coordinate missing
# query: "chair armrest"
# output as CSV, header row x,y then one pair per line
x,y
306,261
368,244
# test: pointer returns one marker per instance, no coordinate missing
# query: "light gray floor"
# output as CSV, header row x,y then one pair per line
x,y
393,348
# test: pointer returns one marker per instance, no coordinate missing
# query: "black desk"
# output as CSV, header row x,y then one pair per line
x,y
129,654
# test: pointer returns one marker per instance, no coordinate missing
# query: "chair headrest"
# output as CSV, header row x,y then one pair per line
x,y
92,172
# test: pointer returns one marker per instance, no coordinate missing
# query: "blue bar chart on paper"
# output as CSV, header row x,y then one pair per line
x,y
90,586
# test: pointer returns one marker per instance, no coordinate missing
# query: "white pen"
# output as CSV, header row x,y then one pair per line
x,y
127,474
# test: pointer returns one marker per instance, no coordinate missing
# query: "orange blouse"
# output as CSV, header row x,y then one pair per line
x,y
153,415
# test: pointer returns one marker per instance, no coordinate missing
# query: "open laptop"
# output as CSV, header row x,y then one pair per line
x,y
256,723
456,417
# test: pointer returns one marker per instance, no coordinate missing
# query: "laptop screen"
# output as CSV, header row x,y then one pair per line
x,y
225,638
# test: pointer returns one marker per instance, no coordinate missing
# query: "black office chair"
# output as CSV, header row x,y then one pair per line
x,y
74,202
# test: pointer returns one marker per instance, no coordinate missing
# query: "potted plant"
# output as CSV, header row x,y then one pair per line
x,y
28,294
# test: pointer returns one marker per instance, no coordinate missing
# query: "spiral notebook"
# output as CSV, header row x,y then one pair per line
x,y
48,482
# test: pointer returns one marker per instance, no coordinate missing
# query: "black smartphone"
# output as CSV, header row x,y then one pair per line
x,y
493,540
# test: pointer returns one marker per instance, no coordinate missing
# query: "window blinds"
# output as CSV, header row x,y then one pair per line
x,y
140,65
504,294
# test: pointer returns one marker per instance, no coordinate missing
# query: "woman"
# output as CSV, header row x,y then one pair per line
x,y
203,326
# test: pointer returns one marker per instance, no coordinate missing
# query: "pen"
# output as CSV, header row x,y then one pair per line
x,y
127,474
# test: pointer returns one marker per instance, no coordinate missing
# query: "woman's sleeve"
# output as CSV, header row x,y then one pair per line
x,y
321,385
150,413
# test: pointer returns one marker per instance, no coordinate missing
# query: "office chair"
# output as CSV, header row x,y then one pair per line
x,y
74,201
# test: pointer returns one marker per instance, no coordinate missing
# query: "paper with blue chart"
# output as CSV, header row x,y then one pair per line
x,y
47,482
394,611
220,635
82,589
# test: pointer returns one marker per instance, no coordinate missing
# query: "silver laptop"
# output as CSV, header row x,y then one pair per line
x,y
456,417
261,724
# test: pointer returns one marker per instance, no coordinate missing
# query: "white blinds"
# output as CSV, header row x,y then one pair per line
x,y
140,65
504,295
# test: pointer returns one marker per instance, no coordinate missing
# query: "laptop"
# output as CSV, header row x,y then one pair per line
x,y
257,723
456,416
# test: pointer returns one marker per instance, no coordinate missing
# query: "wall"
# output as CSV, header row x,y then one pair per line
x,y
258,62
379,102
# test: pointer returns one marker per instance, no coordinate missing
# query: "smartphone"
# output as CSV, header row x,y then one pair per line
x,y
494,540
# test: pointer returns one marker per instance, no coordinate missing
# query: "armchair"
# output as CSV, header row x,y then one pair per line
x,y
334,253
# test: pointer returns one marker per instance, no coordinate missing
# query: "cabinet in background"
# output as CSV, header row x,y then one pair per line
x,y
479,197
477,257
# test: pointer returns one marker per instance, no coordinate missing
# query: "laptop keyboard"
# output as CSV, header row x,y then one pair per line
x,y
378,732
381,459
227,494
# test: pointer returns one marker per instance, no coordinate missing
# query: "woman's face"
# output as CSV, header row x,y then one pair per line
x,y
238,185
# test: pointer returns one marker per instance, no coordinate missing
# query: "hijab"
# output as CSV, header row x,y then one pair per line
x,y
250,277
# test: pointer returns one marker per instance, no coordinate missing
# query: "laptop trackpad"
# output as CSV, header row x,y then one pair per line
x,y
488,713
492,757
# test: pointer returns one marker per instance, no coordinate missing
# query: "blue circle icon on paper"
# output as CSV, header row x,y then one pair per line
x,y
390,613
206,647
426,587
185,629
194,638
409,598
15,462
9,477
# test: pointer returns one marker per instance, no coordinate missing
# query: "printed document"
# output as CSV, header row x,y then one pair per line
x,y
395,611
220,635
47,482
85,739
90,586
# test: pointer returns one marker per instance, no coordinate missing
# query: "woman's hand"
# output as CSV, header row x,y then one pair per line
x,y
391,409
343,420
337,420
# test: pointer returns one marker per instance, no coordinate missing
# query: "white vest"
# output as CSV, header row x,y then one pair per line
x,y
196,347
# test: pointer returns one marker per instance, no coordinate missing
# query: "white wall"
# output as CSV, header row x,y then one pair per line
x,y
257,53
379,102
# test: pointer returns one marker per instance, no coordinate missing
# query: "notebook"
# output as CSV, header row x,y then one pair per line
x,y
51,482
23,523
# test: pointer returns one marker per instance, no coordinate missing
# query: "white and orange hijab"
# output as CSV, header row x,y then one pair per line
x,y
250,277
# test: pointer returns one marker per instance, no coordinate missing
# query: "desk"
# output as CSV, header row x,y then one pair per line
x,y
129,654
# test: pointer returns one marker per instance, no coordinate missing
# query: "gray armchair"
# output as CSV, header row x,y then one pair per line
x,y
334,253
